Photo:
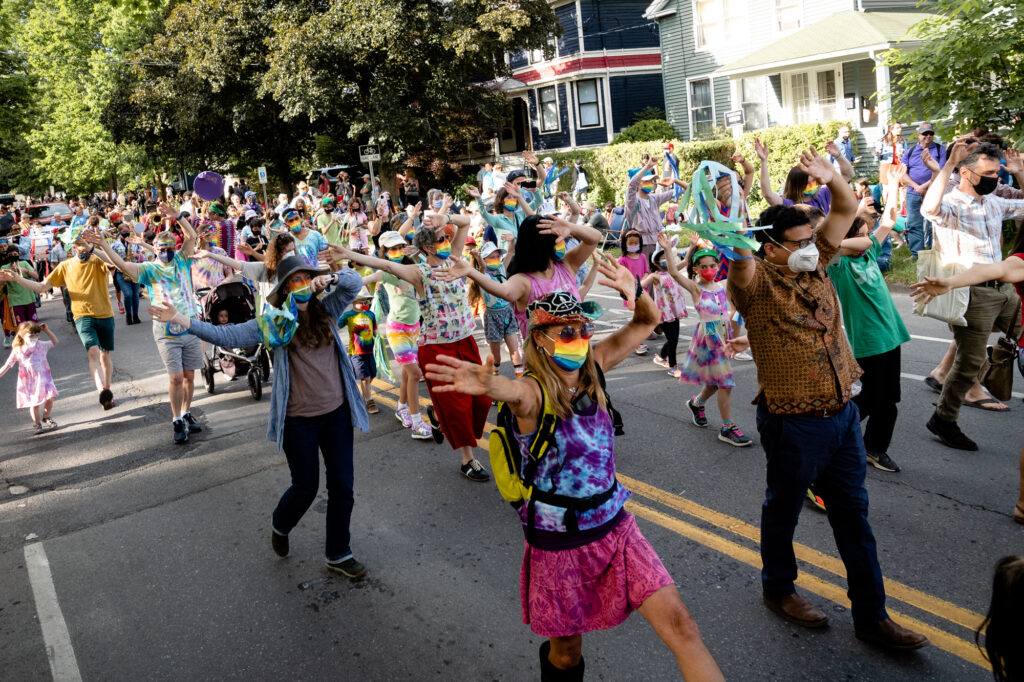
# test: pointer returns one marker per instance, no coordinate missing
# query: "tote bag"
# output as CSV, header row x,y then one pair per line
x,y
943,262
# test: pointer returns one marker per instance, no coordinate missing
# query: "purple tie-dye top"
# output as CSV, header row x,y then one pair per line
x,y
581,464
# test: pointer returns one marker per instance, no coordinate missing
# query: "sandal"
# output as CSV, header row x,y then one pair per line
x,y
981,405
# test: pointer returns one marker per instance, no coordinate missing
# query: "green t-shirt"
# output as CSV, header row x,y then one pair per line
x,y
333,234
873,324
17,294
405,307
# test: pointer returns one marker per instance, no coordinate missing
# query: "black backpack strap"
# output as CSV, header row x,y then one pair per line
x,y
572,505
612,412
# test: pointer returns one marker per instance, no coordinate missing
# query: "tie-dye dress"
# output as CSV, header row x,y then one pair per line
x,y
706,363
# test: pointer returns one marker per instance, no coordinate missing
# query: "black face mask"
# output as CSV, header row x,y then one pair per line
x,y
84,255
985,185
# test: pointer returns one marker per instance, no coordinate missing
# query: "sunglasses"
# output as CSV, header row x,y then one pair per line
x,y
442,240
569,333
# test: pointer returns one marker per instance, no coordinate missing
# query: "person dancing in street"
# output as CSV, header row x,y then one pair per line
x,y
809,426
582,570
315,400
35,382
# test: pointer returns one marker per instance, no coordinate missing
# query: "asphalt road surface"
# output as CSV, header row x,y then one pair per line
x,y
125,557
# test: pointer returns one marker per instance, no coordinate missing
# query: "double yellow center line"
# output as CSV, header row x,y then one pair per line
x,y
960,645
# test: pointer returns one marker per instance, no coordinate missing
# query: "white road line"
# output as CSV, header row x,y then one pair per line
x,y
929,338
63,665
918,377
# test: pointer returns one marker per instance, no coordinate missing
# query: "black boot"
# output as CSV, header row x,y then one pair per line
x,y
549,673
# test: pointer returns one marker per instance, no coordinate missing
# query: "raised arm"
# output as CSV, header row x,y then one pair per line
x,y
672,263
588,281
845,168
888,221
574,208
188,244
515,288
97,240
748,172
769,195
523,396
844,202
931,205
589,238
633,186
617,347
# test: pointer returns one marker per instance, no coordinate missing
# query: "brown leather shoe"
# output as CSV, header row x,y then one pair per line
x,y
797,610
889,635
1018,514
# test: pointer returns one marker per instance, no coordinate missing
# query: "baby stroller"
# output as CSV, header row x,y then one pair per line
x,y
253,362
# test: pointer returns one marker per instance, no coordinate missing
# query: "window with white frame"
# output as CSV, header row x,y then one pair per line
x,y
587,99
752,100
537,56
547,104
800,98
788,15
702,107
827,103
718,21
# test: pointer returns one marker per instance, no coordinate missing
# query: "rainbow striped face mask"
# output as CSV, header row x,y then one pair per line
x,y
811,189
443,249
571,348
300,291
559,249
493,263
510,205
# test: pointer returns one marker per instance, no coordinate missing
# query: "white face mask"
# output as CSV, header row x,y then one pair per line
x,y
803,259
31,339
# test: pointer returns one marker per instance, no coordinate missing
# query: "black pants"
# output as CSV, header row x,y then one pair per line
x,y
668,351
877,400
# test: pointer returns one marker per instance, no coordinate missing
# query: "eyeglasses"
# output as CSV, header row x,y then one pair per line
x,y
570,333
800,243
928,134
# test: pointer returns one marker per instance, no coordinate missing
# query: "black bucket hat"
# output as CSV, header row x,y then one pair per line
x,y
288,267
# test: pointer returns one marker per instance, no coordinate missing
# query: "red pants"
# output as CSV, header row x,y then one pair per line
x,y
462,416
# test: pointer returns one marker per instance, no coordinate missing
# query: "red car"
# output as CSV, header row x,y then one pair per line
x,y
42,214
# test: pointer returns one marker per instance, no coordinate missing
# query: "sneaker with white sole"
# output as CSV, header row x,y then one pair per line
x,y
743,356
350,568
49,423
422,431
474,471
697,411
37,429
641,350
7,342
402,415
732,435
881,460
660,361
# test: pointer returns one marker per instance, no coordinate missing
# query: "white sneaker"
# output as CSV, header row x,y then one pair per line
x,y
402,415
7,342
422,431
743,356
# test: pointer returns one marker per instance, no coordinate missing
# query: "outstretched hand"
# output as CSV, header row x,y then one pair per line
x,y
162,312
168,211
616,276
761,150
458,270
460,376
929,288
817,167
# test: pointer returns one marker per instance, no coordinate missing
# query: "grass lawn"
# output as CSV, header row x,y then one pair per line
x,y
904,268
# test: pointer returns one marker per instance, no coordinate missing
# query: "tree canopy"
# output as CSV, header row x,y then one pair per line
x,y
969,69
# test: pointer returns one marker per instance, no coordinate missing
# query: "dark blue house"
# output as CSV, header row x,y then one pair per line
x,y
606,67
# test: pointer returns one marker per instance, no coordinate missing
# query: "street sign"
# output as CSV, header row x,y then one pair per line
x,y
262,170
734,118
369,153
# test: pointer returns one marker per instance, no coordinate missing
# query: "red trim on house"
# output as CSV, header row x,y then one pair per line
x,y
584,63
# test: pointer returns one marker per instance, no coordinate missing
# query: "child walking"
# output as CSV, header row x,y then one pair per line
x,y
362,328
671,301
634,261
499,321
706,363
35,384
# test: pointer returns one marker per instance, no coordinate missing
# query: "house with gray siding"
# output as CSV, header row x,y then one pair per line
x,y
781,62
606,67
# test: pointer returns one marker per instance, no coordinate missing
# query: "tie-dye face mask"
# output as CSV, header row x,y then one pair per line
x,y
396,255
294,224
493,263
646,187
811,189
510,205
559,249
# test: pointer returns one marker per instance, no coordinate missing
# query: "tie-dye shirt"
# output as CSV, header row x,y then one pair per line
x,y
309,248
580,465
362,326
208,273
170,283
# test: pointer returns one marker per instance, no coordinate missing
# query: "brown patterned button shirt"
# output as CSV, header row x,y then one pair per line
x,y
804,362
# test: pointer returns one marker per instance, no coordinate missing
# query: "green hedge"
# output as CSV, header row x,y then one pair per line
x,y
784,146
607,166
648,130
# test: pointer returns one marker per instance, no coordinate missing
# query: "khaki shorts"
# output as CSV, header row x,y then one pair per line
x,y
179,353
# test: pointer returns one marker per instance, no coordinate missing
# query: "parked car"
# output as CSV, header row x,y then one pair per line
x,y
41,214
355,175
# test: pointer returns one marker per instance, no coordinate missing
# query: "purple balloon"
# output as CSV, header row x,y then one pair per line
x,y
209,186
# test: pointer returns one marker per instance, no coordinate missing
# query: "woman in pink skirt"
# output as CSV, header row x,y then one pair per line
x,y
586,566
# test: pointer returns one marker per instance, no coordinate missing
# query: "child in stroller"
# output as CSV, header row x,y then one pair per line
x,y
233,302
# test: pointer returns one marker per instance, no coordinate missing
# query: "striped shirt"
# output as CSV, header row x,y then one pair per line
x,y
972,228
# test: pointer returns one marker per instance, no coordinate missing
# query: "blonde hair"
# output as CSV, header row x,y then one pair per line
x,y
540,366
23,329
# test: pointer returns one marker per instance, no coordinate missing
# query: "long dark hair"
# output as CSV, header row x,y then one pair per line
x,y
796,183
534,251
315,328
1004,624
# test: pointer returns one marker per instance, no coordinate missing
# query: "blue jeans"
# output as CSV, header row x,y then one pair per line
x,y
919,230
827,452
130,294
304,439
884,259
